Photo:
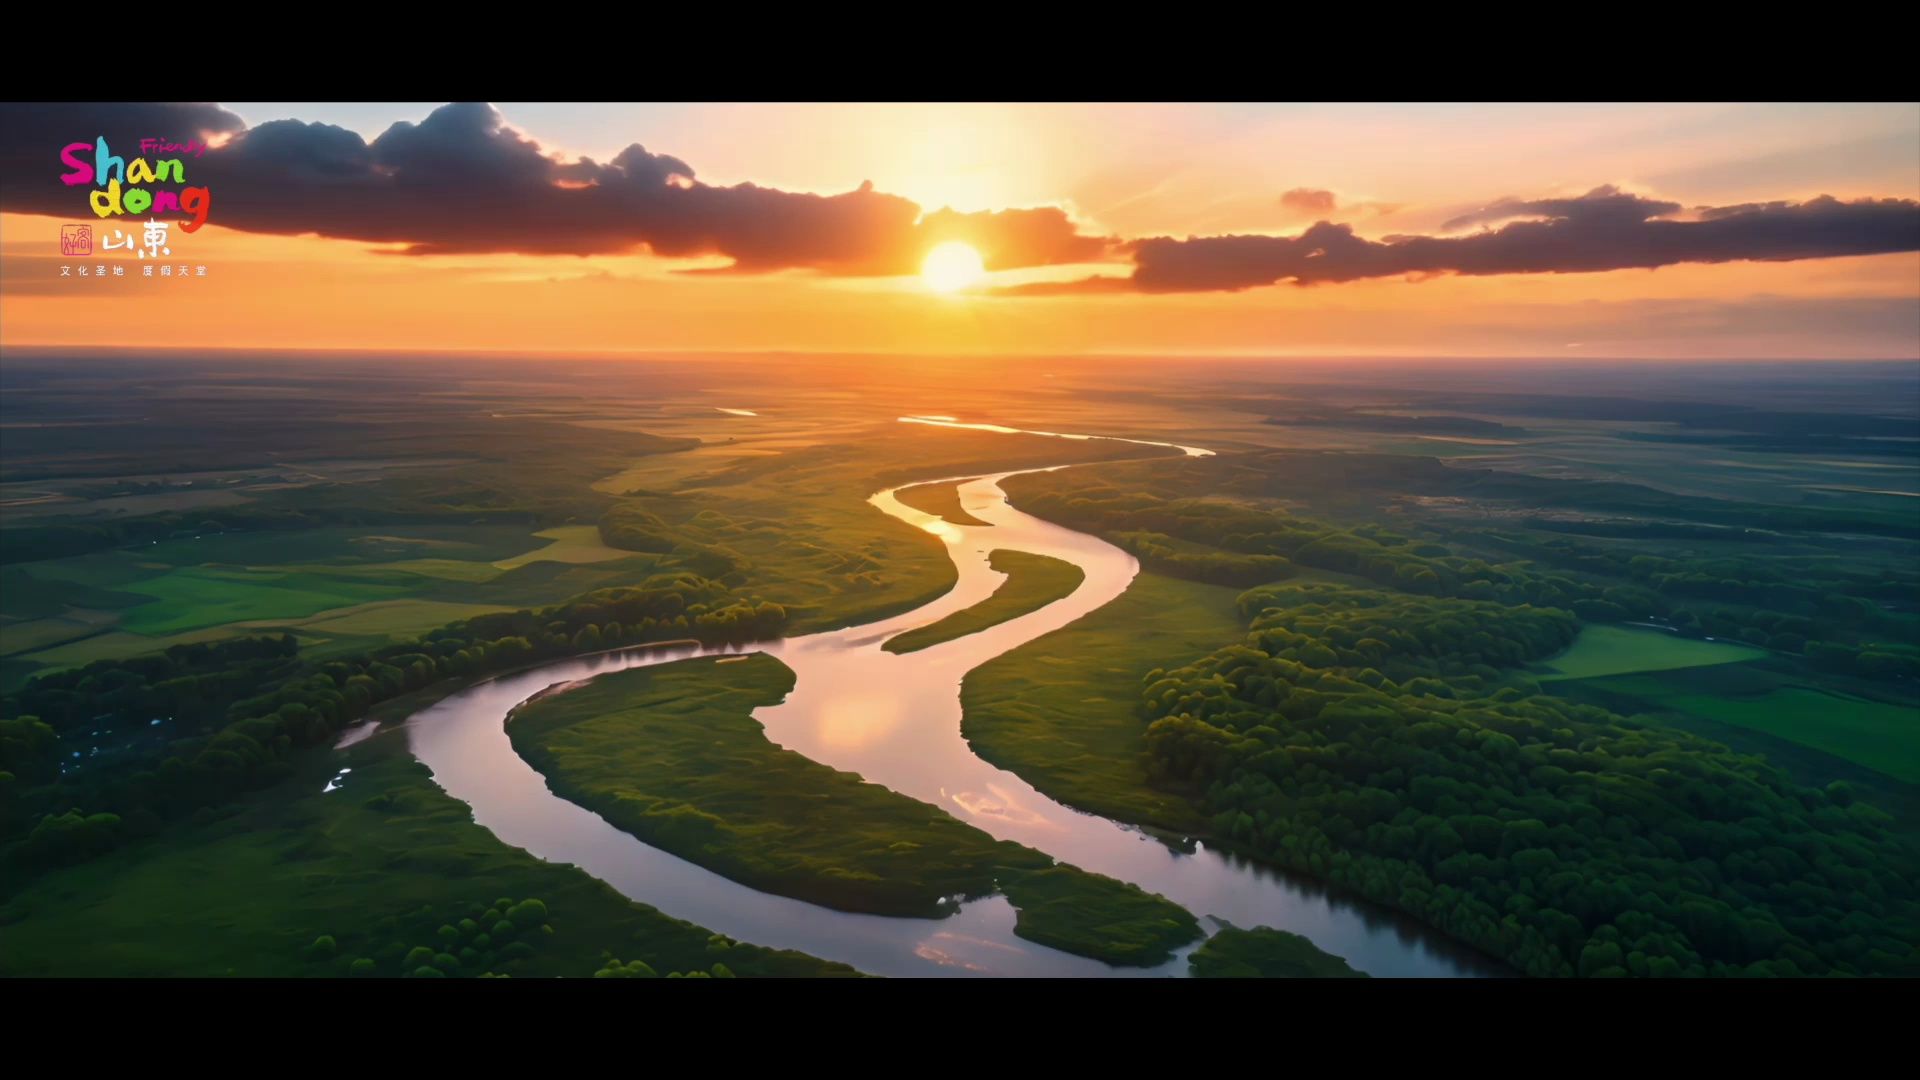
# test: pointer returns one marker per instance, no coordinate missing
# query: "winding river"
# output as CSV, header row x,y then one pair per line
x,y
895,720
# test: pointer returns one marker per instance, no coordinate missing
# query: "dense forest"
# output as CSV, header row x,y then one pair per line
x,y
1356,737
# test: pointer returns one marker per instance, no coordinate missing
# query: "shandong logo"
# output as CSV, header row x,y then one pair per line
x,y
135,187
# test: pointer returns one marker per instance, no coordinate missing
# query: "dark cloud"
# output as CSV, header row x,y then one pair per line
x,y
1309,201
1603,230
461,181
1602,204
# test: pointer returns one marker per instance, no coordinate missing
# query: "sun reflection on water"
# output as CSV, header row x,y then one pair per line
x,y
859,720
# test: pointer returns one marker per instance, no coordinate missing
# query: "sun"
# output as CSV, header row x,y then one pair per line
x,y
952,266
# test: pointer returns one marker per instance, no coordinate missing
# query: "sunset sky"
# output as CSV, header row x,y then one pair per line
x,y
1693,230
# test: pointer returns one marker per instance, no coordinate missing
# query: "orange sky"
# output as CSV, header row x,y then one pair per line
x,y
1126,171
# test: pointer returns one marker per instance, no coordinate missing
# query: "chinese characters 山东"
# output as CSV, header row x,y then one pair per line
x,y
152,245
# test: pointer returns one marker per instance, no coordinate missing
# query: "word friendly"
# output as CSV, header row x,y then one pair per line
x,y
109,171
196,147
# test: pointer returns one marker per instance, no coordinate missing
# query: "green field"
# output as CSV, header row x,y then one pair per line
x,y
355,625
446,569
790,522
672,755
378,866
119,643
1870,733
1621,650
1033,582
536,584
371,582
27,596
1880,735
31,635
1062,711
196,597
344,545
568,544
389,618
942,500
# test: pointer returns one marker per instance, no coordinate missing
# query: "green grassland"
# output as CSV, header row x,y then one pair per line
x,y
118,644
672,755
795,527
1265,953
1063,711
942,500
1622,650
447,510
335,582
790,523
470,573
29,596
33,635
1880,733
1033,582
544,582
378,866
344,545
193,598
1651,696
393,618
328,499
1871,733
569,544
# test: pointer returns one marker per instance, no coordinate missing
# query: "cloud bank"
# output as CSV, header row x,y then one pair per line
x,y
1605,229
462,182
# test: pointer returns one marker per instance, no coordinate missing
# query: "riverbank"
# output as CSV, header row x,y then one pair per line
x,y
1033,582
895,721
672,755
